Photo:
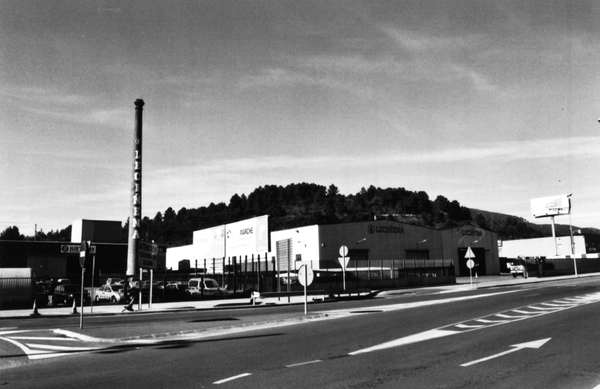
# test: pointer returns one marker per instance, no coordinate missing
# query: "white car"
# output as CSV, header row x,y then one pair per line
x,y
112,293
211,288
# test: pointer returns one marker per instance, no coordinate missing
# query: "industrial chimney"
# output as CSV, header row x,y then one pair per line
x,y
135,215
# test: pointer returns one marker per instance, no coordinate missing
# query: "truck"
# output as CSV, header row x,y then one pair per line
x,y
17,287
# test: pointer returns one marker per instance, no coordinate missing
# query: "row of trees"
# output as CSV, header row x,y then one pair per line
x,y
13,233
298,205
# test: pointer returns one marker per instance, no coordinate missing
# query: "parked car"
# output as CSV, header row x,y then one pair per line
x,y
66,293
114,281
209,288
112,293
175,292
42,291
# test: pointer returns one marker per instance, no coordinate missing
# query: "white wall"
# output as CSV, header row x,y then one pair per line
x,y
305,242
176,254
542,247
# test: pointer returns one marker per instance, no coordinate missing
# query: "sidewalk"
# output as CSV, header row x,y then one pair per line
x,y
191,305
462,284
508,280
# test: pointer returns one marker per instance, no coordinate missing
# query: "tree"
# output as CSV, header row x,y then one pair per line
x,y
11,233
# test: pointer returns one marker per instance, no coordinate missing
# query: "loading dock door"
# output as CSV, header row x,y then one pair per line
x,y
479,260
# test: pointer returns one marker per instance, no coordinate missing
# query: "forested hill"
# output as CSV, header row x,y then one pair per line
x,y
298,205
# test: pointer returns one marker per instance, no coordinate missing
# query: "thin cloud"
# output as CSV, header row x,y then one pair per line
x,y
501,151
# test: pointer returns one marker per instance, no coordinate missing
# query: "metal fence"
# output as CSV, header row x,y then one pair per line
x,y
255,274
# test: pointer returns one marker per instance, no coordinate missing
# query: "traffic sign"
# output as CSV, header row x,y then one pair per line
x,y
83,252
305,276
469,253
343,251
344,262
470,263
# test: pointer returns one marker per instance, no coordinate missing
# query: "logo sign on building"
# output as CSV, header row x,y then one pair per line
x,y
551,206
147,253
75,249
384,229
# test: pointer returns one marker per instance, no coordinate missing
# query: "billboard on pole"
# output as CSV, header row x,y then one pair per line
x,y
551,206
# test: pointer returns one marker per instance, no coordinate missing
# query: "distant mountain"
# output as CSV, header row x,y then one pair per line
x,y
498,221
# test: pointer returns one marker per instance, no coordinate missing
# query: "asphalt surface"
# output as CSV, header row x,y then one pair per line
x,y
137,331
462,284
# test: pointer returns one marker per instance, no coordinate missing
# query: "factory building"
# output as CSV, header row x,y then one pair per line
x,y
378,253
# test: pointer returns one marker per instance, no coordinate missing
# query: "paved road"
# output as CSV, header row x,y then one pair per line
x,y
412,338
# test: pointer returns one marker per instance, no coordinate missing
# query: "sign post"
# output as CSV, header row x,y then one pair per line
x,y
305,277
469,255
344,262
83,253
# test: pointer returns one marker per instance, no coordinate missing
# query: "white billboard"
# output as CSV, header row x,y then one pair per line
x,y
209,243
551,206
246,237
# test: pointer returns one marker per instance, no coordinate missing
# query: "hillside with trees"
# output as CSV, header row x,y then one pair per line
x,y
298,205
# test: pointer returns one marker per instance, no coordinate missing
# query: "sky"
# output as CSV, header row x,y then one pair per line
x,y
490,103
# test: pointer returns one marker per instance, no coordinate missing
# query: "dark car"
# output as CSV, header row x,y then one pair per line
x,y
174,292
66,293
42,290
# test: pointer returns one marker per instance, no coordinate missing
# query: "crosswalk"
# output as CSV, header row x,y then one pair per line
x,y
495,319
523,313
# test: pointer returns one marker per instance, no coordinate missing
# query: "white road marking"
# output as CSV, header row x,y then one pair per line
x,y
60,348
469,326
33,354
41,351
464,326
232,378
43,338
516,347
427,335
304,363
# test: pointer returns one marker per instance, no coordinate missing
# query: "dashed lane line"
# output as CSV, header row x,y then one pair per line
x,y
235,377
304,363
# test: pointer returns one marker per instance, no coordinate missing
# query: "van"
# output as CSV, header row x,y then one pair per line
x,y
519,266
209,288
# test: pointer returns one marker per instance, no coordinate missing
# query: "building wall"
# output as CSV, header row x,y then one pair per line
x,y
483,244
377,240
371,242
55,260
543,247
177,254
96,230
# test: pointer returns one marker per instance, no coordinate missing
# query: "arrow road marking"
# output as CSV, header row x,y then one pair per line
x,y
487,321
516,347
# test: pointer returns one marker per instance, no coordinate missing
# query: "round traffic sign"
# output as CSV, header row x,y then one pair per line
x,y
470,263
305,276
343,251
